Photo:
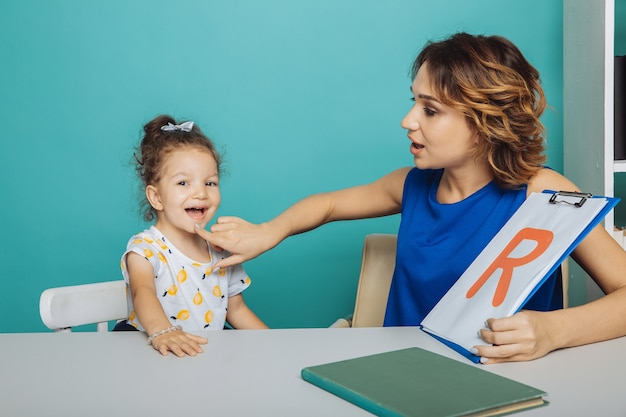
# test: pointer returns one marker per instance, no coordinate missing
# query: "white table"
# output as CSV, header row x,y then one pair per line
x,y
257,373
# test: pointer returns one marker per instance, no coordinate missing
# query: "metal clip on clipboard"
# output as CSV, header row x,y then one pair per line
x,y
583,197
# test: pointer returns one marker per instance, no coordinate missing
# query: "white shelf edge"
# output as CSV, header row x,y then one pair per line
x,y
619,166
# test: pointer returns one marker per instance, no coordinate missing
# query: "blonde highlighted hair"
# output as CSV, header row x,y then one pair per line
x,y
488,79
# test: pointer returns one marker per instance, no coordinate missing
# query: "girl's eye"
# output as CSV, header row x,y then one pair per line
x,y
412,99
182,183
211,184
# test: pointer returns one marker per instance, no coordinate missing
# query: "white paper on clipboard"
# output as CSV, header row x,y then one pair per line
x,y
530,246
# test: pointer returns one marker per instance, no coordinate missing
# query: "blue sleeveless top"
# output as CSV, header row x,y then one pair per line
x,y
437,242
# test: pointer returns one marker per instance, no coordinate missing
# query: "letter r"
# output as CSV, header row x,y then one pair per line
x,y
507,264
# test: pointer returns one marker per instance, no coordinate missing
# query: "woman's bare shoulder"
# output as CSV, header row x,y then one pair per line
x,y
549,179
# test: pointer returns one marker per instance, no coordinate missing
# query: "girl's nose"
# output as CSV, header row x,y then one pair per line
x,y
200,191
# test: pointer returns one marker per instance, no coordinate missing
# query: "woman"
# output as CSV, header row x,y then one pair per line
x,y
477,144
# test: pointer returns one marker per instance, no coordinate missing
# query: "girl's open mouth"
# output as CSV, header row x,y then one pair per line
x,y
195,212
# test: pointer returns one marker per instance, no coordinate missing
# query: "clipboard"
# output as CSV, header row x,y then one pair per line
x,y
533,243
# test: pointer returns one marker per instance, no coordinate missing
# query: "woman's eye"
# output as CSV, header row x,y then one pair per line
x,y
429,111
412,99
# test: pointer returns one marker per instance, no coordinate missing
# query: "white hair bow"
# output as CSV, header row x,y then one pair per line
x,y
185,127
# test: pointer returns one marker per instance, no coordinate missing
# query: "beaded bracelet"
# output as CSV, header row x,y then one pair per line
x,y
162,332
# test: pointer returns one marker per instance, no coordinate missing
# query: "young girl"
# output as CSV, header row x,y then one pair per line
x,y
477,145
174,286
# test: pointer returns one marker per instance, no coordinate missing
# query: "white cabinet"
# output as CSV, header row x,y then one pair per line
x,y
588,56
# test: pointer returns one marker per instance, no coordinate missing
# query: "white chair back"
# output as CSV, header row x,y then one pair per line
x,y
62,308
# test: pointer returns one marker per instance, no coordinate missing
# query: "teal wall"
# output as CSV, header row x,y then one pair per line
x,y
620,27
301,97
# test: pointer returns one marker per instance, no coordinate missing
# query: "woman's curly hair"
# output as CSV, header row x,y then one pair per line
x,y
488,79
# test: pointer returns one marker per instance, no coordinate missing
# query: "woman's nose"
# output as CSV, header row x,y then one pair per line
x,y
410,122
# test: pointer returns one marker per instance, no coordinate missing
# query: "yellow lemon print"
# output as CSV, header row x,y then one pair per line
x,y
122,265
171,290
197,299
148,240
132,316
148,253
162,257
222,272
137,241
248,281
162,245
208,271
181,276
183,315
217,291
208,318
196,265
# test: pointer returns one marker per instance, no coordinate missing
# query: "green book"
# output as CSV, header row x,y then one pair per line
x,y
416,382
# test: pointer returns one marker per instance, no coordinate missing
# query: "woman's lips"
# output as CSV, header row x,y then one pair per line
x,y
416,148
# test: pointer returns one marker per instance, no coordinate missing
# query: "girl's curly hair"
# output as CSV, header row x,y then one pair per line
x,y
155,147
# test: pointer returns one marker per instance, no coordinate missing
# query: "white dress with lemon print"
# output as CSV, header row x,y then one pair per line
x,y
192,294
